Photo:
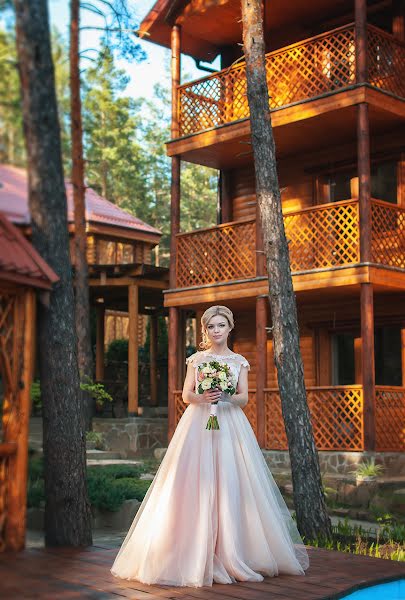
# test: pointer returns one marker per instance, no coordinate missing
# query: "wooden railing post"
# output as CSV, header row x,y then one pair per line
x,y
261,365
100,318
172,368
133,377
153,347
367,363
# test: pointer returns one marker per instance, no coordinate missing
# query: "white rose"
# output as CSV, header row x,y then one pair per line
x,y
222,375
207,370
206,384
223,385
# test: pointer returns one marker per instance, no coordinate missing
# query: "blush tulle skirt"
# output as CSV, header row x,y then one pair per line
x,y
213,512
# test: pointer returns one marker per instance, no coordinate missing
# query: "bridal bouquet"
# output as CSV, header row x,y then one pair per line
x,y
214,375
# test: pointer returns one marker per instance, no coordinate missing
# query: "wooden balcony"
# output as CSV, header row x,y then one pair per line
x,y
323,237
306,70
337,417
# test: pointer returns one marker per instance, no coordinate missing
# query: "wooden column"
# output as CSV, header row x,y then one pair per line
x,y
100,334
403,355
133,380
226,197
367,363
175,175
17,430
153,359
172,368
398,21
360,23
357,361
198,336
181,349
261,366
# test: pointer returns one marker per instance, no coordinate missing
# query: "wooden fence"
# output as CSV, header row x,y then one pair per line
x,y
337,418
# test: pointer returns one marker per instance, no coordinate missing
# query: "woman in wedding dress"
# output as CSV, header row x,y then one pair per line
x,y
213,512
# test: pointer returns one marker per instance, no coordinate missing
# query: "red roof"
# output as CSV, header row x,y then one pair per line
x,y
14,204
19,261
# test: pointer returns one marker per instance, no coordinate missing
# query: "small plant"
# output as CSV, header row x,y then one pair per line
x,y
96,438
368,469
96,391
36,395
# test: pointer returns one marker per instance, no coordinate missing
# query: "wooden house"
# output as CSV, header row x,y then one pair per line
x,y
336,78
122,276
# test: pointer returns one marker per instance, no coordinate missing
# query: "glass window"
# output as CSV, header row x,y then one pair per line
x,y
343,367
384,181
387,350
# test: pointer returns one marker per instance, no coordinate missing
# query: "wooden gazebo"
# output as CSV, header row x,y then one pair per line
x,y
121,274
22,273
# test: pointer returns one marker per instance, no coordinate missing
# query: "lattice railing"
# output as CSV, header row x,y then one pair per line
x,y
387,234
222,253
386,61
305,70
337,418
390,419
323,236
319,237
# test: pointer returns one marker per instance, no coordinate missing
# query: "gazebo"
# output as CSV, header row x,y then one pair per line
x,y
22,273
121,274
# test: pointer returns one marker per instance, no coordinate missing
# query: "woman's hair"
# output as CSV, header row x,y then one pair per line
x,y
213,311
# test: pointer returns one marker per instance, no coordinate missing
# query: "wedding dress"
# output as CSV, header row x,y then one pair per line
x,y
213,512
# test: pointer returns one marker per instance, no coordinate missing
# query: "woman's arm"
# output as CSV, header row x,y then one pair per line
x,y
190,397
241,397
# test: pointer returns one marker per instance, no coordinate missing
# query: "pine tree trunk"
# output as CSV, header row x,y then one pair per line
x,y
67,510
312,517
81,271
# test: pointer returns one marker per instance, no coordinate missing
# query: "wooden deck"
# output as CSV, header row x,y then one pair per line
x,y
65,573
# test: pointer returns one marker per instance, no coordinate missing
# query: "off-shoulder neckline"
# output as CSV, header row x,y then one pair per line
x,y
219,355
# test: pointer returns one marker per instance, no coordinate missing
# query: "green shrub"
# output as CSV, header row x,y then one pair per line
x,y
36,398
95,437
116,471
133,488
117,351
96,391
102,492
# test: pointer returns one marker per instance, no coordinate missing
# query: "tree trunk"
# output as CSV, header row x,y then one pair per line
x,y
81,271
312,517
67,510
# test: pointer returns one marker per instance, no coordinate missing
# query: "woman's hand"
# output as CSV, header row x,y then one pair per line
x,y
211,395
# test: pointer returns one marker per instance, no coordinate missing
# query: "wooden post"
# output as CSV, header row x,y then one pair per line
x,y
360,23
261,366
403,356
153,359
172,368
133,311
17,430
363,165
198,336
398,21
357,360
226,197
367,363
100,334
175,179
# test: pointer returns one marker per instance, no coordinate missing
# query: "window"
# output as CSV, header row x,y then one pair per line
x,y
343,365
388,364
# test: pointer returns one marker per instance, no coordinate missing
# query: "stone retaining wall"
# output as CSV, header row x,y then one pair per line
x,y
133,437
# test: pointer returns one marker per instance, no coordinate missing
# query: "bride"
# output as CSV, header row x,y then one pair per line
x,y
213,512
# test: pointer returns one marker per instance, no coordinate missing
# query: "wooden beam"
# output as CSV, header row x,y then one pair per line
x,y
261,366
172,369
360,25
403,356
128,281
153,337
363,166
18,424
100,330
133,381
367,363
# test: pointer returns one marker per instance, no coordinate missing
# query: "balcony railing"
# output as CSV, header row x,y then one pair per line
x,y
337,417
320,237
311,68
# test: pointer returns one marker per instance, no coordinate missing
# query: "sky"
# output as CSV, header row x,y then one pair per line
x,y
143,75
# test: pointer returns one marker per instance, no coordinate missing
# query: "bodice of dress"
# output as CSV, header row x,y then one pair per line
x,y
233,360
